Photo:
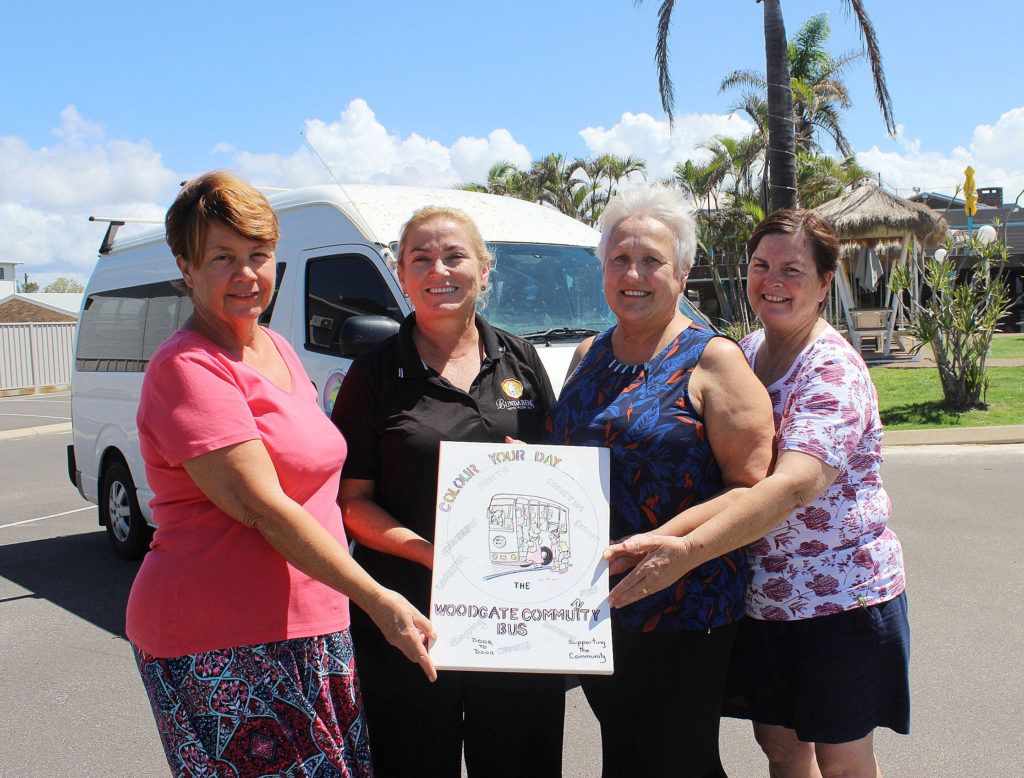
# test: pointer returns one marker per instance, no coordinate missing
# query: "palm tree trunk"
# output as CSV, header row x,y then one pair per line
x,y
781,138
724,308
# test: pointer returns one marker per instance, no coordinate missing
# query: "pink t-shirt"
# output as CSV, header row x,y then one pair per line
x,y
208,582
837,552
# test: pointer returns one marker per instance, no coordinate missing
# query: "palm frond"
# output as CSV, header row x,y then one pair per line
x,y
743,79
870,40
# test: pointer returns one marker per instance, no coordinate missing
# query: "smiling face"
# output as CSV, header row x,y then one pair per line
x,y
640,280
783,284
235,280
440,271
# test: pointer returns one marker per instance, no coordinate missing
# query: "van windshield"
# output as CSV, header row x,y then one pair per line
x,y
535,288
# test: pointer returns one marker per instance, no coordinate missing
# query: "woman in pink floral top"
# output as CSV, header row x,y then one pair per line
x,y
822,655
836,552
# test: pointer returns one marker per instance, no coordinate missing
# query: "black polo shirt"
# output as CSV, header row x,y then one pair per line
x,y
393,410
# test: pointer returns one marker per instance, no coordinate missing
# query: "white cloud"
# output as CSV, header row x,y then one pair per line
x,y
359,149
651,139
75,131
48,192
996,152
86,175
471,158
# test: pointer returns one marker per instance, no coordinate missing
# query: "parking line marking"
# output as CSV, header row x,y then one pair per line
x,y
52,516
53,398
36,416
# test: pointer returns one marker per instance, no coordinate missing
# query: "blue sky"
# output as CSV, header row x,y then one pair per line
x,y
106,106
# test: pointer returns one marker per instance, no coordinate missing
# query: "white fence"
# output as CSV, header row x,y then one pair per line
x,y
34,355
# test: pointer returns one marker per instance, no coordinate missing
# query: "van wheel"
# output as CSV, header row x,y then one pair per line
x,y
127,530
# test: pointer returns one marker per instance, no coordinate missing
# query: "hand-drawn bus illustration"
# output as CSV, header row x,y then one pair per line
x,y
528,531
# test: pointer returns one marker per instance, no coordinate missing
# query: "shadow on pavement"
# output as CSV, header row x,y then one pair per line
x,y
79,573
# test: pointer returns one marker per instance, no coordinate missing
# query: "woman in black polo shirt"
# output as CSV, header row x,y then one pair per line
x,y
446,375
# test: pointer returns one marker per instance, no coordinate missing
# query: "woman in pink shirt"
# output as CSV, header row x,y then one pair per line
x,y
239,615
821,657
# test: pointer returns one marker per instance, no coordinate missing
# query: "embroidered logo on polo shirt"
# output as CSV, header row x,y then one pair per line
x,y
512,388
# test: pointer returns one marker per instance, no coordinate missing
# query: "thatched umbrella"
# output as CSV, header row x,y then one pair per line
x,y
894,228
870,217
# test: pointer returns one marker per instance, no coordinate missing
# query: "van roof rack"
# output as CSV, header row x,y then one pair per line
x,y
114,223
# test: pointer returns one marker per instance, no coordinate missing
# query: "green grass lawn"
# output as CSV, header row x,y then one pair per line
x,y
911,398
1008,347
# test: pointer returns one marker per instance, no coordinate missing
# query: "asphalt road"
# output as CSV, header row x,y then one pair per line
x,y
71,703
32,410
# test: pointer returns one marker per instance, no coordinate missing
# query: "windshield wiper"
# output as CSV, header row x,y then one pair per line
x,y
560,333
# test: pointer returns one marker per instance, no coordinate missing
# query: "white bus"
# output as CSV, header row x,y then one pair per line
x,y
528,531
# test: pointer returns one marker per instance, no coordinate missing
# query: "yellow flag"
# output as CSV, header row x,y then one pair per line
x,y
970,193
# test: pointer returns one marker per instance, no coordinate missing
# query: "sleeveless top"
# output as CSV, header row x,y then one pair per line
x,y
661,464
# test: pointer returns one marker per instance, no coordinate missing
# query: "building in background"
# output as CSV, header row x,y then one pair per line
x,y
40,306
8,281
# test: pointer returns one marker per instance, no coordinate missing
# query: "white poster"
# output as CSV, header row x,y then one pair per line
x,y
519,579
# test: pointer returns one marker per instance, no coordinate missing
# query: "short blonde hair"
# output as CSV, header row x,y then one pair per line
x,y
431,212
222,197
663,203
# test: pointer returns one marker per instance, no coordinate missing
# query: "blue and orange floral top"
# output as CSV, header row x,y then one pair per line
x,y
661,464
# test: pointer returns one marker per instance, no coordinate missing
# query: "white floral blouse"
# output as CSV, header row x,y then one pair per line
x,y
837,552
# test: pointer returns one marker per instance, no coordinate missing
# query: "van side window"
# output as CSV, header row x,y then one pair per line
x,y
338,288
121,328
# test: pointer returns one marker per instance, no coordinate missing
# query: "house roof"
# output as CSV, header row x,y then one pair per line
x,y
60,302
1009,216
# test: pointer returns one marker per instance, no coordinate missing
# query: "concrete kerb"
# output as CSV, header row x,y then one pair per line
x,y
35,432
942,436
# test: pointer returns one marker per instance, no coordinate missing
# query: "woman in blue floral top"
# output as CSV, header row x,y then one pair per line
x,y
821,657
685,418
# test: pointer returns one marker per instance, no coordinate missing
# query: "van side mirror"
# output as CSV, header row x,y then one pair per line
x,y
358,333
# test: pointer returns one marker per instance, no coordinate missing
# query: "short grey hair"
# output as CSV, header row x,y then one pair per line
x,y
664,203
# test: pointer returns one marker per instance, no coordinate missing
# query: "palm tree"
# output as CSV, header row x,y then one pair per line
x,y
781,135
504,178
602,175
620,168
700,181
737,158
822,178
816,78
580,188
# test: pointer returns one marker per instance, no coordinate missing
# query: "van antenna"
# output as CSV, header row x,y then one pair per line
x,y
335,179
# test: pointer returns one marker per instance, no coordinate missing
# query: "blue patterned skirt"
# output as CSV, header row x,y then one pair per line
x,y
287,708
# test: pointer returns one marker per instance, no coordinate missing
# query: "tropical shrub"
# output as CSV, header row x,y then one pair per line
x,y
960,317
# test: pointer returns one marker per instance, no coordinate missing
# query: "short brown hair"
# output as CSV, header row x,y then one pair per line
x,y
217,196
431,212
799,221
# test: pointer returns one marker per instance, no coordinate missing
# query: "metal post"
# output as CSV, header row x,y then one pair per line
x,y
32,355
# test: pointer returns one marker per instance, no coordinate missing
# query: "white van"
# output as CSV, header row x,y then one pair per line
x,y
336,294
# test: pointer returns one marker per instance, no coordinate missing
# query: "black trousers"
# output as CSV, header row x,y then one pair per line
x,y
659,712
510,723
